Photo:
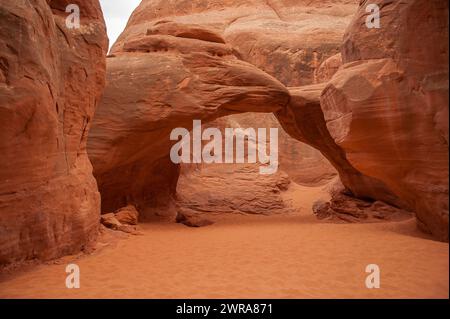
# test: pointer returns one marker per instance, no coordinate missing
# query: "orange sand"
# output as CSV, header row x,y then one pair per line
x,y
292,256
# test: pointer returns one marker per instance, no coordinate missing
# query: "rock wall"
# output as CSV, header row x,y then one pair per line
x,y
387,108
51,78
304,120
288,39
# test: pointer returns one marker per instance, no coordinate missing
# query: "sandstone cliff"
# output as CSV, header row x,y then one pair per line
x,y
51,78
387,108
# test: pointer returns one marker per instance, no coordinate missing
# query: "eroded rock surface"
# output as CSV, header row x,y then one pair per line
x,y
348,209
125,219
387,107
237,188
192,219
241,188
304,120
288,39
51,78
127,215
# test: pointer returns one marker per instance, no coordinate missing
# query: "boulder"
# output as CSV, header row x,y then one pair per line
x,y
191,220
348,209
122,222
127,215
110,221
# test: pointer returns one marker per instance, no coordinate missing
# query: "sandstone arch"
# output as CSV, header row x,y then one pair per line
x,y
202,65
182,59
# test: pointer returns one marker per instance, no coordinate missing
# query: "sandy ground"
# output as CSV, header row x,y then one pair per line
x,y
292,256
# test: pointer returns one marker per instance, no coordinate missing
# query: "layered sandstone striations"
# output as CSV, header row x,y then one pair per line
x,y
387,108
237,189
51,78
158,81
288,39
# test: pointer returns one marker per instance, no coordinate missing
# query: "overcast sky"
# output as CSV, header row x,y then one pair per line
x,y
116,14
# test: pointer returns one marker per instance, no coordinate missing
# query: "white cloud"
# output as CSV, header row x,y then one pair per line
x,y
117,13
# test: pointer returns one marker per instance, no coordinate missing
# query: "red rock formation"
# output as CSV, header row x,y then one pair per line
x,y
192,220
382,120
237,188
387,108
175,63
328,68
304,120
304,164
163,39
288,39
348,209
51,78
127,215
155,83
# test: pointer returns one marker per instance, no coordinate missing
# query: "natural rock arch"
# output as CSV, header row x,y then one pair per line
x,y
183,60
382,119
165,71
